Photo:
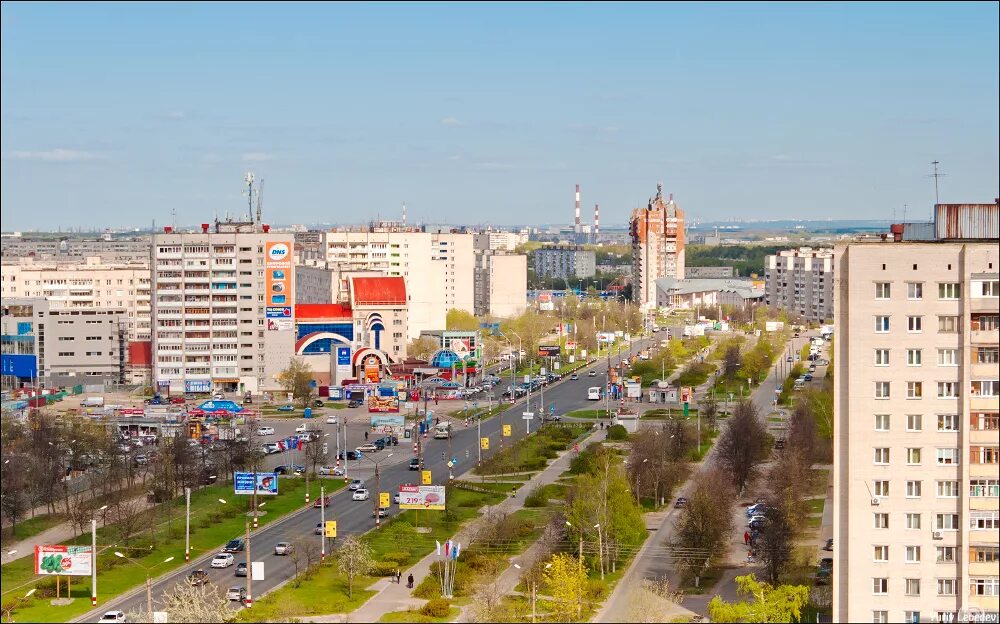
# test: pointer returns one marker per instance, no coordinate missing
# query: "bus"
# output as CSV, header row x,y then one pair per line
x,y
442,431
594,393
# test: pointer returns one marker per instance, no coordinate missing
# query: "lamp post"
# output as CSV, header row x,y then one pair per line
x,y
149,582
600,548
93,560
375,505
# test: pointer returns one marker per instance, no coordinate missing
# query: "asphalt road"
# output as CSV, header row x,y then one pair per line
x,y
356,517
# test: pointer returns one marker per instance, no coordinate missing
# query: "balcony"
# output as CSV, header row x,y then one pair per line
x,y
984,404
168,279
984,337
202,340
983,371
982,503
984,304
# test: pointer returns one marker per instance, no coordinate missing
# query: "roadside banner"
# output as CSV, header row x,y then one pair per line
x,y
422,497
425,477
506,431
66,560
330,529
267,483
383,500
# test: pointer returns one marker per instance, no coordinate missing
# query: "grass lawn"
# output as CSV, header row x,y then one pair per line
x,y
416,616
532,452
816,505
695,374
814,522
306,599
212,524
31,526
709,577
587,413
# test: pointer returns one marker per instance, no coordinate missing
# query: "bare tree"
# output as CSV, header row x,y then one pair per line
x,y
802,431
743,444
304,554
708,411
14,499
705,521
354,559
487,604
317,452
731,361
774,544
81,511
127,515
652,600
191,603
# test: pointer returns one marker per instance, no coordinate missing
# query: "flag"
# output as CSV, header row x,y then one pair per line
x,y
438,549
457,548
301,444
447,549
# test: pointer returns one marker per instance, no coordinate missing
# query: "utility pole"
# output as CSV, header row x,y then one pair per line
x,y
249,601
479,434
187,524
322,520
93,562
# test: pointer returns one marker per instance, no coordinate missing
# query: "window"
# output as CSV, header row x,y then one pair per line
x,y
914,422
984,488
986,422
913,521
882,456
881,389
947,489
947,389
913,489
913,357
914,324
881,290
880,617
947,422
984,586
881,357
912,587
881,422
987,355
915,290
991,289
946,522
881,324
912,456
948,324
984,520
880,586
912,555
949,290
914,390
913,617
948,357
946,586
946,554
881,521
986,388
881,488
881,553
984,454
947,456
985,554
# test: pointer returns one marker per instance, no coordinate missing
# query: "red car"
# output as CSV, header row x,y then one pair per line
x,y
177,400
323,502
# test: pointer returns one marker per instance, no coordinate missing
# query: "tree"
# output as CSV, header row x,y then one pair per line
x,y
128,518
297,379
304,553
705,522
423,347
652,601
743,444
316,452
354,559
773,547
731,361
191,603
13,496
565,580
769,603
461,320
708,410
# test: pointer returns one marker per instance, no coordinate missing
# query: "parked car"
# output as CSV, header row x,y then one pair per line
x,y
113,616
354,403
265,431
241,568
829,544
779,444
218,396
319,529
352,455
788,359
190,397
198,577
283,548
367,448
177,400
681,502
331,420
574,377
294,468
286,408
317,403
141,460
355,484
235,545
331,471
808,377
360,494
382,512
223,560
324,501
236,593
302,428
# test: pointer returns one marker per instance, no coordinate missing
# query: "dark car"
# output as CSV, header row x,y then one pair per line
x,y
349,455
241,569
354,403
379,444
829,544
808,377
317,403
415,464
198,577
235,545
681,502
283,469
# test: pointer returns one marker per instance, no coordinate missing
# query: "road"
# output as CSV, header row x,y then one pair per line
x,y
356,517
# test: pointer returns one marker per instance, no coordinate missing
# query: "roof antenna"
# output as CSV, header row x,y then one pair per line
x,y
260,202
936,175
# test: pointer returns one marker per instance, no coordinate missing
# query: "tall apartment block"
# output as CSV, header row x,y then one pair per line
x,y
223,308
800,281
657,233
501,284
917,421
569,262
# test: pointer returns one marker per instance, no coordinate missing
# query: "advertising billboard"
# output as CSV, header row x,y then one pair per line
x,y
267,483
67,560
383,399
388,424
548,350
421,497
280,293
371,367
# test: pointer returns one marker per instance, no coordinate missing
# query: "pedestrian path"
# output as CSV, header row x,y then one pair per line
x,y
397,597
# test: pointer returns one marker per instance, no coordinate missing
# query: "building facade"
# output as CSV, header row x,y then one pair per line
x,y
710,272
223,308
568,263
657,234
135,250
498,240
916,446
801,282
692,293
501,284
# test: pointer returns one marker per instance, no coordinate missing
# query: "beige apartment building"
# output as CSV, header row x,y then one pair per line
x,y
657,234
917,441
501,285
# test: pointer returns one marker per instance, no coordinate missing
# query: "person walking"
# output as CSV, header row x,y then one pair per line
x,y
366,436
746,538
409,581
399,576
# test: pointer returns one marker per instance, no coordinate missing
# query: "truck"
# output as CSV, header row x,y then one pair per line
x,y
93,401
773,326
442,431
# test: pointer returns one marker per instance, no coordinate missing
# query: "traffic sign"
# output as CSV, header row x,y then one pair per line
x,y
528,415
451,464
425,477
506,431
330,529
484,443
383,499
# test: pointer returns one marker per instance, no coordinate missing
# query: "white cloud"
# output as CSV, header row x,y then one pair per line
x,y
176,115
256,156
494,166
451,121
56,155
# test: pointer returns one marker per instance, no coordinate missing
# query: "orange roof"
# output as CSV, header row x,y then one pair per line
x,y
381,290
321,311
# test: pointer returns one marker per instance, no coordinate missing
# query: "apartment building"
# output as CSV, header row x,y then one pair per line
x,y
85,283
800,281
916,405
133,250
438,266
501,284
568,263
223,308
499,240
657,235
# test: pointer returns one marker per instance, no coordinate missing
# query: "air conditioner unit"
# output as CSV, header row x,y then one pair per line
x,y
874,502
937,535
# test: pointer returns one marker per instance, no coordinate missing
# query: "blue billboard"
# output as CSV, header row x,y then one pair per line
x,y
343,356
267,483
20,366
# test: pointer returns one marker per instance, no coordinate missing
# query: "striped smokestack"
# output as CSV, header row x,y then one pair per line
x,y
577,225
597,221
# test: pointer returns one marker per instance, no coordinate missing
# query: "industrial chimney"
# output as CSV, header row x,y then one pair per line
x,y
577,228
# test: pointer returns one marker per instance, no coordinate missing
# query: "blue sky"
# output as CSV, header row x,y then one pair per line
x,y
115,114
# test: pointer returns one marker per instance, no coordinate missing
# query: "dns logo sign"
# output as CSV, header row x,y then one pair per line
x,y
278,252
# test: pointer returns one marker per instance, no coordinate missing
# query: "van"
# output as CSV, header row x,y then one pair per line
x,y
594,393
93,401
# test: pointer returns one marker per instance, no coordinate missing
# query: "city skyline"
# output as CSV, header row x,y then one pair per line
x,y
490,114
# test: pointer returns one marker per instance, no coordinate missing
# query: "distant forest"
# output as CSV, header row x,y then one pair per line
x,y
746,258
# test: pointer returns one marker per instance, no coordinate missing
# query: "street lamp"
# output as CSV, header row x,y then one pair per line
x,y
534,589
149,583
93,560
600,548
375,504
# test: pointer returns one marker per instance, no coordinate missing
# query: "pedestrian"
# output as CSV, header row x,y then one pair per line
x,y
366,436
435,400
399,576
409,581
746,538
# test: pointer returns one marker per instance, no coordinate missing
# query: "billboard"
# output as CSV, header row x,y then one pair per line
x,y
421,497
267,483
371,367
21,366
68,560
387,424
278,284
384,399
548,350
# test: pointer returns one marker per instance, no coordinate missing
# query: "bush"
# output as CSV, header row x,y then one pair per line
x,y
617,433
537,497
397,557
384,568
437,608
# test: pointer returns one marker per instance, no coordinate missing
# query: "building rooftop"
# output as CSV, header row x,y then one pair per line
x,y
676,286
382,290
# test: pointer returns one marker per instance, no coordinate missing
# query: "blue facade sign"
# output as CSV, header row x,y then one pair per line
x,y
23,328
343,356
20,366
267,483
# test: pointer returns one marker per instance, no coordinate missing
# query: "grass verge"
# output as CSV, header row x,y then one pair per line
x,y
30,527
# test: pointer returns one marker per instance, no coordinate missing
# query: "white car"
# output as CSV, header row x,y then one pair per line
x,y
236,593
356,484
328,471
113,616
265,431
359,495
366,448
218,396
223,560
331,420
301,428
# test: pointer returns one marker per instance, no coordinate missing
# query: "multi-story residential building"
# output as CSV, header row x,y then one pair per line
x,y
108,249
916,409
568,263
438,266
499,240
53,346
88,282
800,281
501,284
709,272
657,233
223,308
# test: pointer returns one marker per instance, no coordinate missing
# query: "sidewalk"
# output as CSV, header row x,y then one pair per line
x,y
393,597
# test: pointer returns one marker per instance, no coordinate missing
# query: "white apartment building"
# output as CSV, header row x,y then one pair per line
x,y
917,440
800,281
437,266
223,308
501,284
499,240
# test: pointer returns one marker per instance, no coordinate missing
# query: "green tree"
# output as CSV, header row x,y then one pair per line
x,y
767,603
297,379
461,320
565,579
354,559
705,522
423,347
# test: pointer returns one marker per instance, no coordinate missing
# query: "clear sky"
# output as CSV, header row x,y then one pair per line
x,y
115,114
